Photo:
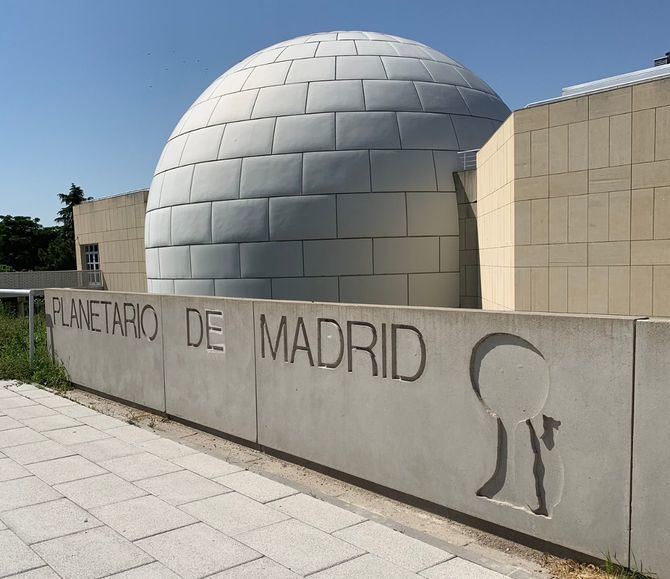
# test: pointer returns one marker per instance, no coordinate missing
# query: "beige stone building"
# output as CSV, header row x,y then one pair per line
x,y
573,205
109,237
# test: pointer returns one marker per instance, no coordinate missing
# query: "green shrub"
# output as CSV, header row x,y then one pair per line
x,y
14,347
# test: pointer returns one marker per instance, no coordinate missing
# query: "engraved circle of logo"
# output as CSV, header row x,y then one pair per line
x,y
511,379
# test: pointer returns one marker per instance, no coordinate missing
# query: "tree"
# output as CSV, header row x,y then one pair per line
x,y
74,197
21,239
57,253
26,245
61,252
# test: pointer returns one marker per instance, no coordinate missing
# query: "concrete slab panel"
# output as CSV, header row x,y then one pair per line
x,y
317,513
37,452
106,449
134,434
78,411
412,399
233,513
299,547
393,546
184,486
65,469
166,448
458,568
255,486
150,571
209,374
97,491
257,569
17,436
365,566
206,465
196,551
141,517
76,434
16,556
138,466
22,492
23,413
651,455
72,556
102,422
49,520
110,342
10,470
15,402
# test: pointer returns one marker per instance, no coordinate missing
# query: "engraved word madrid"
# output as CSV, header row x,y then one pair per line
x,y
327,343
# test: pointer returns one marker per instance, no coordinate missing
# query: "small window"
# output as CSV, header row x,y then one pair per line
x,y
92,265
91,257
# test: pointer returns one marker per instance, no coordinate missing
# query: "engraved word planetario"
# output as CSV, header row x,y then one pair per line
x,y
127,319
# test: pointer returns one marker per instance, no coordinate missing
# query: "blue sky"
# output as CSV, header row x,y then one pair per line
x,y
91,89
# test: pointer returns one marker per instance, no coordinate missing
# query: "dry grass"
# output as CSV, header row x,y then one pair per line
x,y
568,569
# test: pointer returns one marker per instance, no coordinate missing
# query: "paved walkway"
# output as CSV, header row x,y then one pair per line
x,y
83,494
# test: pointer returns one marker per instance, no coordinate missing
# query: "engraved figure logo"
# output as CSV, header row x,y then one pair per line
x,y
511,380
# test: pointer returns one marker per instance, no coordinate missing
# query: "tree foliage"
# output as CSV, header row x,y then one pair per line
x,y
73,197
26,245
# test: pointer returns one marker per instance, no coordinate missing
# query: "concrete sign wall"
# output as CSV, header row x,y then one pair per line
x,y
209,363
650,512
112,342
521,420
501,416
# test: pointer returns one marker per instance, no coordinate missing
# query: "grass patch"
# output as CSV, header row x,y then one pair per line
x,y
14,347
636,571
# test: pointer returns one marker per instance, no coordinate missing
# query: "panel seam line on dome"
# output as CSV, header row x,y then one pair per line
x,y
253,105
470,114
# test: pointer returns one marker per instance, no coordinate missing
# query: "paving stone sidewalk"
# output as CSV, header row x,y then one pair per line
x,y
83,494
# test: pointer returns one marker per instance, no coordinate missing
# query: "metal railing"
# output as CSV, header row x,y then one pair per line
x,y
44,279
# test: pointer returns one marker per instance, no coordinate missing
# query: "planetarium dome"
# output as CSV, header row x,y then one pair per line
x,y
320,168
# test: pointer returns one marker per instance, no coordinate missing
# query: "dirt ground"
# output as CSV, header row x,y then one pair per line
x,y
490,550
